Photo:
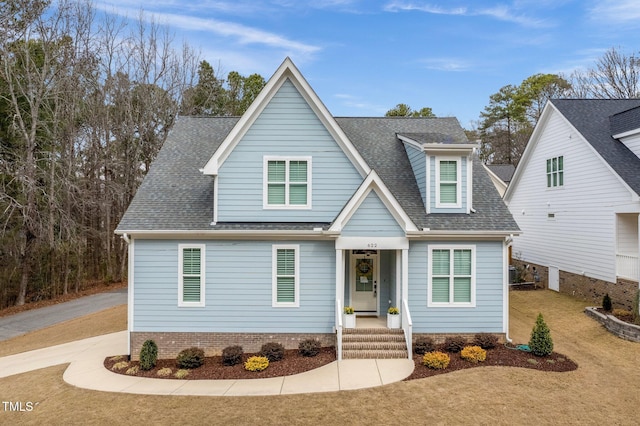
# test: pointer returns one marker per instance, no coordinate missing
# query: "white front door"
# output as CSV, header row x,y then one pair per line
x,y
364,275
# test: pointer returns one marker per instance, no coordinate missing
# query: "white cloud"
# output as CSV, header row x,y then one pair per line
x,y
500,12
446,64
242,34
616,11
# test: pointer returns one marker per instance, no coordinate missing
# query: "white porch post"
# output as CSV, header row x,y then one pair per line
x,y
339,295
398,279
405,274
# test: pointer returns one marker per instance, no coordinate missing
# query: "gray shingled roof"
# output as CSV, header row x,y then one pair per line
x,y
175,195
625,121
503,171
591,118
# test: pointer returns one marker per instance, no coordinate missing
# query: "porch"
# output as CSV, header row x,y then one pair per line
x,y
372,276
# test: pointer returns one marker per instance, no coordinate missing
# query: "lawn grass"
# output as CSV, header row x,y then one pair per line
x,y
604,389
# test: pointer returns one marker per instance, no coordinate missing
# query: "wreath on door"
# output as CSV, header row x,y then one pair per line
x,y
364,266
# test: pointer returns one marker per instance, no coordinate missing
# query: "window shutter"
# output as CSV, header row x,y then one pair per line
x,y
191,267
286,270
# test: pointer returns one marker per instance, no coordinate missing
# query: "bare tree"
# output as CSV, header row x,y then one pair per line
x,y
615,75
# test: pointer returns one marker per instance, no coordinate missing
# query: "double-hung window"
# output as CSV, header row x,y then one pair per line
x,y
286,276
448,182
191,279
451,276
555,172
287,182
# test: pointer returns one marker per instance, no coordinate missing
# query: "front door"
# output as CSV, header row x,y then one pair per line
x,y
364,281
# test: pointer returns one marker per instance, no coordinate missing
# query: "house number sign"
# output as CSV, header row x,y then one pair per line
x,y
372,245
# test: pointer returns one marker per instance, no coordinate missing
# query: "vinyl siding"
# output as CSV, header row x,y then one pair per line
x,y
238,289
581,237
633,143
418,161
286,127
487,316
463,186
372,218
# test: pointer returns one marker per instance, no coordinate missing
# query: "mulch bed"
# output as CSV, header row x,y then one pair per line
x,y
500,356
293,363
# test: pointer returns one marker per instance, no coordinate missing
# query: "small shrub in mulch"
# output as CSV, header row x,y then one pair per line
x,y
256,363
272,351
473,354
436,360
148,355
232,355
190,358
485,340
309,347
423,345
541,343
455,344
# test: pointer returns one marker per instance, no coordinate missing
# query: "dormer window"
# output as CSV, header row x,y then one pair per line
x,y
287,182
448,182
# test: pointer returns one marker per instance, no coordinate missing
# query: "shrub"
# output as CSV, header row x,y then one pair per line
x,y
393,311
232,355
541,343
423,345
256,363
309,347
164,372
436,360
132,371
349,310
148,355
455,344
181,374
272,351
485,340
120,365
621,312
474,354
606,303
190,358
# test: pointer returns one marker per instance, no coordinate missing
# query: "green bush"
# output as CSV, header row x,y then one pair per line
x,y
606,303
423,345
309,347
190,358
232,355
485,340
148,355
455,344
436,360
541,343
272,351
256,363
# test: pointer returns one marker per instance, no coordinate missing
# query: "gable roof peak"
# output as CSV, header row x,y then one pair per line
x,y
286,71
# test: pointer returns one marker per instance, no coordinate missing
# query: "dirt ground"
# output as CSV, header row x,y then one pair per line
x,y
603,390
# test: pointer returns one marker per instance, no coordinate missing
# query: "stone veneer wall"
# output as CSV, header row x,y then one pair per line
x,y
171,343
622,293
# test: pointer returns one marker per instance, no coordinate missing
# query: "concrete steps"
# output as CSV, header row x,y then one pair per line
x,y
373,343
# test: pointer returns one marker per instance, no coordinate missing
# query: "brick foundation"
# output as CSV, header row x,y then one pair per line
x,y
170,344
586,288
439,338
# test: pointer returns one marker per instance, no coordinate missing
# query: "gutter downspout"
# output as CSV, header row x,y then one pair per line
x,y
130,254
505,259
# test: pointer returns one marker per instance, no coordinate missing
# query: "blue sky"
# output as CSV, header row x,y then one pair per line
x,y
363,57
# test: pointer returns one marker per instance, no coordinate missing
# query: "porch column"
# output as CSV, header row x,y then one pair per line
x,y
405,275
399,279
340,277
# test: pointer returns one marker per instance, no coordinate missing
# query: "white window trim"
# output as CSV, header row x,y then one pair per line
x,y
274,276
430,302
181,302
265,186
458,203
551,173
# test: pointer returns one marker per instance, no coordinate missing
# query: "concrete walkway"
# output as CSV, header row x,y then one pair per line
x,y
35,319
86,371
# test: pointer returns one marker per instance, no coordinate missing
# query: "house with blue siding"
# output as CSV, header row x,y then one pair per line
x,y
264,227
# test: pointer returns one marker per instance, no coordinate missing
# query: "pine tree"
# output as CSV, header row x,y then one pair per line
x,y
541,343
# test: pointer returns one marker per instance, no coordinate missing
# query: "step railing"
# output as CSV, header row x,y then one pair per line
x,y
407,326
339,328
627,266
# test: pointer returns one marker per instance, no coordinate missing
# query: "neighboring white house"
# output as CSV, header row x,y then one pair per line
x,y
575,195
501,175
